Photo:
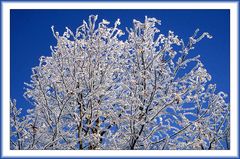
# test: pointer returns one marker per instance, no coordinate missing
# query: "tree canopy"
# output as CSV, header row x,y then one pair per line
x,y
98,91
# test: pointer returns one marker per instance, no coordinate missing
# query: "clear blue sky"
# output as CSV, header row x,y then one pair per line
x,y
31,37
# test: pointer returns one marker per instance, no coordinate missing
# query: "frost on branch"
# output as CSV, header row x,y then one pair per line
x,y
96,91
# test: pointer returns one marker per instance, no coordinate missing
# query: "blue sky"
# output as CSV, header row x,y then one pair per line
x,y
31,37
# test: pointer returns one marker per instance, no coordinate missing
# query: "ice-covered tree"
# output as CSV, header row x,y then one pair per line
x,y
96,91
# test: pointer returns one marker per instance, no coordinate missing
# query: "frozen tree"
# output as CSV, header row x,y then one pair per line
x,y
99,92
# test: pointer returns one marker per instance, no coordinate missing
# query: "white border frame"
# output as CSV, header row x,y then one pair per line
x,y
6,6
